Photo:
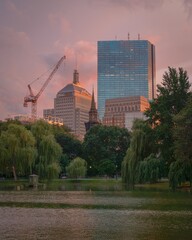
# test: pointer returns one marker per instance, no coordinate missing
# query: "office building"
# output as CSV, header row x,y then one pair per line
x,y
125,68
48,112
72,104
122,111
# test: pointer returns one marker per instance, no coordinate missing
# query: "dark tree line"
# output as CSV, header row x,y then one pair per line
x,y
49,150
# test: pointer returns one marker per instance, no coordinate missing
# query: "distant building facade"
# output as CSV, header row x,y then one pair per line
x,y
125,68
72,104
122,111
93,115
48,112
131,116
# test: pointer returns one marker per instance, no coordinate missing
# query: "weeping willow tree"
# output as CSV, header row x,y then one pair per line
x,y
77,168
49,151
40,129
140,147
17,150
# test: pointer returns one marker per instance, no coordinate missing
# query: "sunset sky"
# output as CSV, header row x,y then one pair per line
x,y
35,34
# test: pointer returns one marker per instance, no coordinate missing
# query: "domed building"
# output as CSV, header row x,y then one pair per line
x,y
72,104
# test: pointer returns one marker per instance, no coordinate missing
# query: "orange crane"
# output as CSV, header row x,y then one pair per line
x,y
33,98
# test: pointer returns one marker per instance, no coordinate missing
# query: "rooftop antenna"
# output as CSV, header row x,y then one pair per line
x,y
138,36
75,61
128,36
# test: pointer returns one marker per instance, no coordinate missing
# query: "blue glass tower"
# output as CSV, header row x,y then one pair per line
x,y
125,68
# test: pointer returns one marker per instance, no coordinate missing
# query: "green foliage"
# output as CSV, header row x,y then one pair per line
x,y
173,95
71,146
106,167
176,174
150,170
104,142
64,161
40,129
17,150
77,168
49,151
141,146
181,170
4,125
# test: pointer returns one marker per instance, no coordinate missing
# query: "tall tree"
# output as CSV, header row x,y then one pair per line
x,y
17,150
172,97
141,146
181,170
71,148
104,142
49,151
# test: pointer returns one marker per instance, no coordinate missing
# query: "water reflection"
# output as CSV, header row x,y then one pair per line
x,y
96,215
93,224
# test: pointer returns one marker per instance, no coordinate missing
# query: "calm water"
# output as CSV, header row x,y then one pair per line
x,y
131,215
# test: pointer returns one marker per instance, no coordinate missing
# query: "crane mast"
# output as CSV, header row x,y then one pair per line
x,y
33,98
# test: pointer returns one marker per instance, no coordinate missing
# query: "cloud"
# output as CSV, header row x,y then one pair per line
x,y
57,21
134,4
81,55
9,38
188,7
19,65
11,7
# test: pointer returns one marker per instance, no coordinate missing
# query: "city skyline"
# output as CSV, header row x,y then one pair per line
x,y
35,36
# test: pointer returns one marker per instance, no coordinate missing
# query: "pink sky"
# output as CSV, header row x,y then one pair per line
x,y
35,34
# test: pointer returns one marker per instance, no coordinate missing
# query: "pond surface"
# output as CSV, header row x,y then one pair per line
x,y
92,215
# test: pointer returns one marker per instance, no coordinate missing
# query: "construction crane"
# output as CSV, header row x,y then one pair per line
x,y
33,98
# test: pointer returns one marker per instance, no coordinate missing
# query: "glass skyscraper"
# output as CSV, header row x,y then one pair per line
x,y
125,68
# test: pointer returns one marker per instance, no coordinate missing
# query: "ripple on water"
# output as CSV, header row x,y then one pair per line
x,y
32,224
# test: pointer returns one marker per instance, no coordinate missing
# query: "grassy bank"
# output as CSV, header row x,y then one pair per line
x,y
87,184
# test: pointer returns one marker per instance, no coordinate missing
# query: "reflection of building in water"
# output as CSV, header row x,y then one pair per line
x,y
122,111
72,104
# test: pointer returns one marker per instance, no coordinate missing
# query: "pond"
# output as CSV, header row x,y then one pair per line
x,y
92,215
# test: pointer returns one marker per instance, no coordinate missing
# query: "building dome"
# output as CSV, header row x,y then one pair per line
x,y
71,88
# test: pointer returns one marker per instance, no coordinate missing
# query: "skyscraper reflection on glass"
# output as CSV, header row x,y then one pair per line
x,y
125,68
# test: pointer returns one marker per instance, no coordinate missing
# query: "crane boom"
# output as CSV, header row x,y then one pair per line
x,y
50,76
33,98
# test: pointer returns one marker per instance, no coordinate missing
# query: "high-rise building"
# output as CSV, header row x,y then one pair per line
x,y
122,111
72,104
125,68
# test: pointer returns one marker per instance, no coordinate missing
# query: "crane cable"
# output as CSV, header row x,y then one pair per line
x,y
42,74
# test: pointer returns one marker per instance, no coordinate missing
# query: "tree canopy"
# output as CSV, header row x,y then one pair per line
x,y
49,151
105,142
141,146
17,150
172,97
181,169
77,168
